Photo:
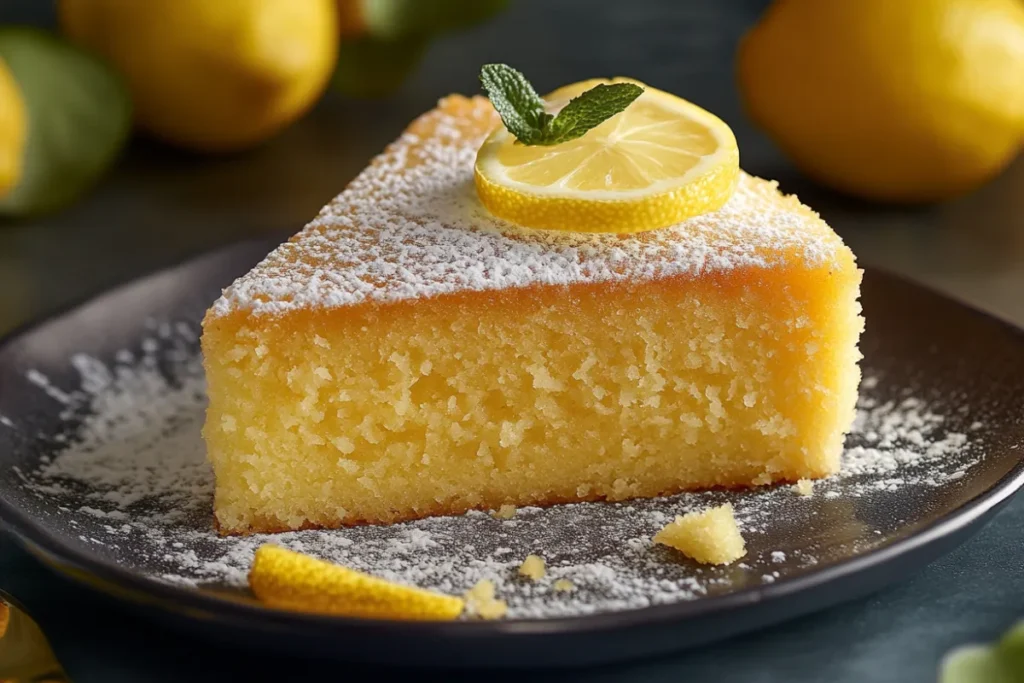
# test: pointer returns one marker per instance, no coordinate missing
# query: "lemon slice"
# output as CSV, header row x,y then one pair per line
x,y
289,580
657,163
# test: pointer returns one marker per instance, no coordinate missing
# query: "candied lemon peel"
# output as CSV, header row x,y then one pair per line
x,y
289,580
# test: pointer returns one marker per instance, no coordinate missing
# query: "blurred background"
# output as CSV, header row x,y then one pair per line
x,y
135,134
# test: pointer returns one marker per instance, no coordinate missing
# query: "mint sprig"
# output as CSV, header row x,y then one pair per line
x,y
523,113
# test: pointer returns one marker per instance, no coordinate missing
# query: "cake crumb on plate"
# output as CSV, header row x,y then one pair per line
x,y
804,487
506,511
710,536
533,568
481,603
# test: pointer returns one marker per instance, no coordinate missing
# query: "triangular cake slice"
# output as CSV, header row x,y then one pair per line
x,y
407,354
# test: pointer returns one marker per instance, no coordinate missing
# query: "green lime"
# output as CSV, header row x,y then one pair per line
x,y
396,35
1011,651
79,116
372,67
393,19
974,664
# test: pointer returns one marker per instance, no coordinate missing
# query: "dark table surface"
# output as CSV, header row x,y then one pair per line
x,y
161,206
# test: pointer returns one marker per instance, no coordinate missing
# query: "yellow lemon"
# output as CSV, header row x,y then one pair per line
x,y
293,581
212,76
12,130
75,118
908,100
657,163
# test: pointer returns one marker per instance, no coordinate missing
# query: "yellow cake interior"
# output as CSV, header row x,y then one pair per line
x,y
550,394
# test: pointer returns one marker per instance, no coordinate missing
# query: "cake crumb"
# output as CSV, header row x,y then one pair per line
x,y
533,568
506,511
480,601
709,537
564,586
804,487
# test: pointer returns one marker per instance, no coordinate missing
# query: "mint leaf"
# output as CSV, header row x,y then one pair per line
x,y
590,109
522,110
520,107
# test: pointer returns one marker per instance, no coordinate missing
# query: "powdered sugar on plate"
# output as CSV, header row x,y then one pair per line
x,y
128,478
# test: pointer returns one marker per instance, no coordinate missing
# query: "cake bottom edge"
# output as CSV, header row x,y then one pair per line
x,y
266,526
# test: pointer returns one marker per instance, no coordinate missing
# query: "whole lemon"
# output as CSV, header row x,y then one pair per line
x,y
894,100
12,130
212,75
73,116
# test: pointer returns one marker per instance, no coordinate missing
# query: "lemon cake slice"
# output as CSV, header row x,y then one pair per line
x,y
409,354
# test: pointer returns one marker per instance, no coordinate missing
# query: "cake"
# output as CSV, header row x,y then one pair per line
x,y
709,536
408,354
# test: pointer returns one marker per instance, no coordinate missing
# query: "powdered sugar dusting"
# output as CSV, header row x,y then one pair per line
x,y
132,483
411,226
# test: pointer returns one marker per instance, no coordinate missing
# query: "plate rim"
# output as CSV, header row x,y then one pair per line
x,y
197,604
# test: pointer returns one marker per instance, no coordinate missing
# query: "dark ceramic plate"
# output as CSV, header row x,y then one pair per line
x,y
849,539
